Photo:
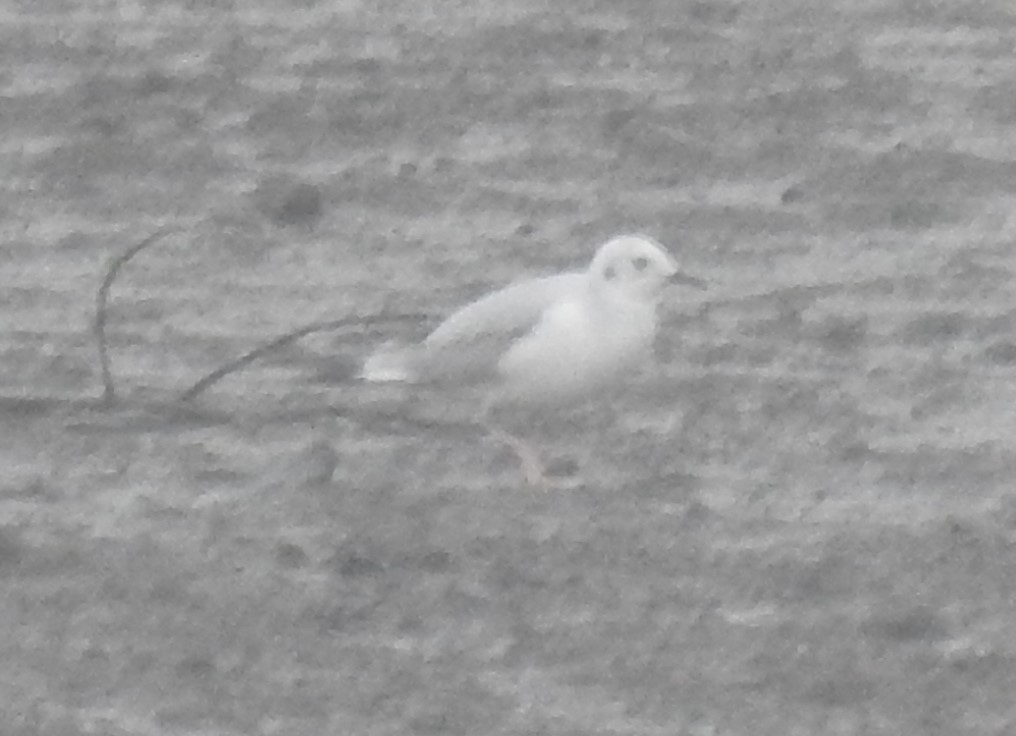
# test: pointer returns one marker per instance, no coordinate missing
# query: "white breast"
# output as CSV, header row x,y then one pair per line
x,y
576,350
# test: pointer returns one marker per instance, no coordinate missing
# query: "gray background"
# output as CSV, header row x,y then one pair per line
x,y
800,522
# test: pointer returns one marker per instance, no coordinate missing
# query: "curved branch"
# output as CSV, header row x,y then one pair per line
x,y
101,301
290,337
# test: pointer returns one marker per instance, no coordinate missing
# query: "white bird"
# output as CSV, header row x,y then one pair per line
x,y
546,342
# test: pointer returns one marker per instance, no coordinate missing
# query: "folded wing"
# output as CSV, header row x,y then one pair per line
x,y
468,346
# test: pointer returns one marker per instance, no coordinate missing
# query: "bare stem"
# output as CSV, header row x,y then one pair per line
x,y
290,337
101,301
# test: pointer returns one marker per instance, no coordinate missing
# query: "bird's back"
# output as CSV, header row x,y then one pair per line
x,y
508,312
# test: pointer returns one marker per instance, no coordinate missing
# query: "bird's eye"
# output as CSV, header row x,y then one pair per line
x,y
609,273
641,263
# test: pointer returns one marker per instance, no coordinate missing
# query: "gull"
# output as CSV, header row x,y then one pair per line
x,y
547,342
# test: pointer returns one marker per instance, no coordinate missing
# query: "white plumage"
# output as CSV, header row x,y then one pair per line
x,y
551,340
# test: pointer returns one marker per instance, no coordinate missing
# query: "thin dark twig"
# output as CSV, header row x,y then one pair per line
x,y
101,300
290,337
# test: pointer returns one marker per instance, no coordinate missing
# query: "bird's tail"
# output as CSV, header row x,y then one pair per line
x,y
389,364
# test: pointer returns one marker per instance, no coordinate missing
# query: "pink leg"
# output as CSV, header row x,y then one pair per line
x,y
529,459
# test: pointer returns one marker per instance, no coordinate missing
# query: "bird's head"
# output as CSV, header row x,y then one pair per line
x,y
637,266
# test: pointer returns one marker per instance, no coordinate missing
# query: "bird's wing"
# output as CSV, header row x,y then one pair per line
x,y
470,343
